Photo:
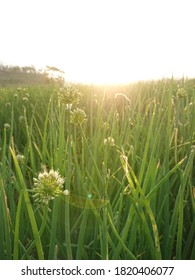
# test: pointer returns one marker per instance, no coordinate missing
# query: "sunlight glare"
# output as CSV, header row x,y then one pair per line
x,y
113,41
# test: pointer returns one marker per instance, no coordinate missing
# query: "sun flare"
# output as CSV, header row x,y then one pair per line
x,y
101,41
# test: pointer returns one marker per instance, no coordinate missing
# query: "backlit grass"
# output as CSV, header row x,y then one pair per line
x,y
94,173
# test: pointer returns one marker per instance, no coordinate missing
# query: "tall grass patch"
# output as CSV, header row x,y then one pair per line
x,y
98,173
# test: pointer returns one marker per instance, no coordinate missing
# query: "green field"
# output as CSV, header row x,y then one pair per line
x,y
90,172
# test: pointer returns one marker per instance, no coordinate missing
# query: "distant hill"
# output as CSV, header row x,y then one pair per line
x,y
26,76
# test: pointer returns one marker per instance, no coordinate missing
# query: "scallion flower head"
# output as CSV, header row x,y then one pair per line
x,y
69,96
20,158
181,93
78,117
47,186
109,141
6,125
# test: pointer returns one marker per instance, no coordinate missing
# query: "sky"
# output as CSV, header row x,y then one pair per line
x,y
100,41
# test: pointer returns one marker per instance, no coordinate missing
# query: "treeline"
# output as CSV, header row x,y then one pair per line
x,y
17,69
29,75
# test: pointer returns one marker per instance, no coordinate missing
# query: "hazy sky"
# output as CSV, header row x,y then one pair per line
x,y
100,41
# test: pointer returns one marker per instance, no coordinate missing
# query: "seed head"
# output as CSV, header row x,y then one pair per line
x,y
69,95
47,186
25,99
109,141
78,117
6,125
20,158
181,93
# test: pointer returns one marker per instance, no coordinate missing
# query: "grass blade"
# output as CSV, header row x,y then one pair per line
x,y
29,207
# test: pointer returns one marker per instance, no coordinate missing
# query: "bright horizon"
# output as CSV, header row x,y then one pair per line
x,y
100,41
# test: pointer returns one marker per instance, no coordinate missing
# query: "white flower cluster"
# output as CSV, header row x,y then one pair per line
x,y
109,141
47,186
78,117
